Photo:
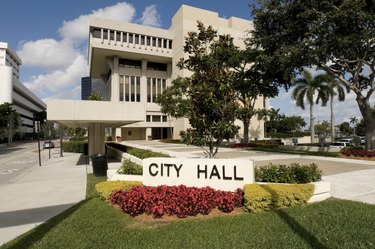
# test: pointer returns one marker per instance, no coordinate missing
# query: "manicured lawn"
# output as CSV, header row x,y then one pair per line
x,y
95,224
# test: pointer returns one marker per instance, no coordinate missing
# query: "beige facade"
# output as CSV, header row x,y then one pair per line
x,y
138,62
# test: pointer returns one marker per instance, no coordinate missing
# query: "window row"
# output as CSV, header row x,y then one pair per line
x,y
156,118
132,38
127,63
130,88
155,87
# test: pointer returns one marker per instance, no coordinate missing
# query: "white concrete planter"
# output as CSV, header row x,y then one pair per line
x,y
121,156
321,191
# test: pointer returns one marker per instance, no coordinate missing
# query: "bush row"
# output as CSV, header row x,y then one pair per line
x,y
130,168
264,197
140,153
293,173
105,189
255,145
179,200
74,146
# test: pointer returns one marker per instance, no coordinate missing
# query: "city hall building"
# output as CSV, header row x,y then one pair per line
x,y
137,63
12,91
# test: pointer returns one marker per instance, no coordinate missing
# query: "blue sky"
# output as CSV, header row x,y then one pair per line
x,y
51,39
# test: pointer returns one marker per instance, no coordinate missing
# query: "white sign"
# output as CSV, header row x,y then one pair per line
x,y
221,174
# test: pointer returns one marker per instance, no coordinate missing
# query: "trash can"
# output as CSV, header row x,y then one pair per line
x,y
99,164
85,149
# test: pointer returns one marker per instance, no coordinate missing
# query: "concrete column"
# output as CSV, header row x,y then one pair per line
x,y
115,81
113,133
96,139
148,132
169,74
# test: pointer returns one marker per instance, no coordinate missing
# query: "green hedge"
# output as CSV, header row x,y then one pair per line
x,y
74,146
130,168
293,173
105,189
142,154
264,197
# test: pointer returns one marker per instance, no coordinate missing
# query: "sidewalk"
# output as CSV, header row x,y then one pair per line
x,y
40,195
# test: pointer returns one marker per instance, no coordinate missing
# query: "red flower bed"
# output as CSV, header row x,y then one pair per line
x,y
179,200
358,153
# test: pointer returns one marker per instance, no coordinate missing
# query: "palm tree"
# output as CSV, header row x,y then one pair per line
x,y
354,121
334,84
308,87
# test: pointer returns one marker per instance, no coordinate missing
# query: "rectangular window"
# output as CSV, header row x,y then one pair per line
x,y
118,36
170,44
164,118
148,41
164,85
112,35
121,88
159,88
105,34
136,39
155,118
153,97
153,41
142,40
132,89
159,42
165,44
138,89
97,33
130,38
148,118
148,90
127,88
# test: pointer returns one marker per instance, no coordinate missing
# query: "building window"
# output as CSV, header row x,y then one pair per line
x,y
164,118
136,39
155,118
124,37
130,38
126,88
142,40
149,90
155,87
148,118
130,63
130,88
97,33
105,34
156,66
148,41
112,35
121,88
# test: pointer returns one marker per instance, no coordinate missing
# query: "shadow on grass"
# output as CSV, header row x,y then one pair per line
x,y
28,239
294,225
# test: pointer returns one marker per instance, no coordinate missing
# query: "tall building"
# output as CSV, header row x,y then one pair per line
x,y
14,92
138,62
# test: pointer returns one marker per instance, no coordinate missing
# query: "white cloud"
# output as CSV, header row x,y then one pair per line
x,y
45,85
150,16
77,29
47,53
64,60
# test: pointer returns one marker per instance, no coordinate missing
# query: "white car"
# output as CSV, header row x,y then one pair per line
x,y
340,144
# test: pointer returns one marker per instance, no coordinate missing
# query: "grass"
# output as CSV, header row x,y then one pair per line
x,y
95,224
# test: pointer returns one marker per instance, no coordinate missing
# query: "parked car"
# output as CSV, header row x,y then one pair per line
x,y
47,145
340,144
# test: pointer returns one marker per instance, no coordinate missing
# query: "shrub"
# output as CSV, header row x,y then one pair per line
x,y
179,200
130,168
105,189
293,173
264,197
75,139
74,146
142,154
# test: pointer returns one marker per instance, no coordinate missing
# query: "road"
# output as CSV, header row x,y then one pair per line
x,y
20,158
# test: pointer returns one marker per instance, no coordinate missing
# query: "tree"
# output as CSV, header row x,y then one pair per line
x,y
336,36
323,127
285,126
354,122
95,96
335,88
9,121
360,129
307,87
206,98
250,82
345,128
